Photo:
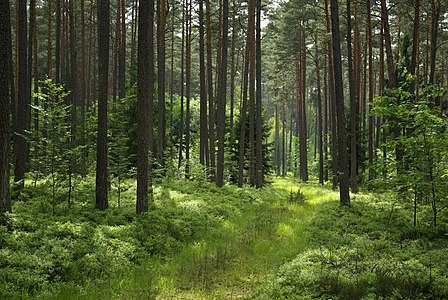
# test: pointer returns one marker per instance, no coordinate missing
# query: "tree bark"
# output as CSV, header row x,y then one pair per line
x,y
23,98
161,23
103,21
145,86
353,105
342,151
203,90
5,97
319,113
211,105
259,120
222,88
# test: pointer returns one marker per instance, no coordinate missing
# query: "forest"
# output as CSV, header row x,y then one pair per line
x,y
223,149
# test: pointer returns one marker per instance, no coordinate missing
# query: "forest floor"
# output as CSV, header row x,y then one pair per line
x,y
250,249
288,240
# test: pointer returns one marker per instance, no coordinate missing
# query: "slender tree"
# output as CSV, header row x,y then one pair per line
x,y
23,98
259,123
353,105
319,112
161,132
5,97
203,157
103,21
342,151
211,102
222,88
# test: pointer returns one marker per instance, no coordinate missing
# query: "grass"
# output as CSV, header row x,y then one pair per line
x,y
285,241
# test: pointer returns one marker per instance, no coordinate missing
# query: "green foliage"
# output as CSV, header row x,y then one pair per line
x,y
424,141
368,251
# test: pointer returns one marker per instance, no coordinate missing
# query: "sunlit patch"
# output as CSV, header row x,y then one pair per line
x,y
284,230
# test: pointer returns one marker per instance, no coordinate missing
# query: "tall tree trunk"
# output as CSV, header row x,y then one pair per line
x,y
371,90
122,53
211,105
233,68
353,105
181,125
415,42
58,41
252,71
342,151
319,113
277,139
145,86
245,81
103,21
161,23
5,97
83,97
303,136
332,106
203,157
222,88
435,15
259,121
23,98
188,88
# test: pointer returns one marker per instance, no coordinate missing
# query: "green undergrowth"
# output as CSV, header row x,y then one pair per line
x,y
368,251
196,239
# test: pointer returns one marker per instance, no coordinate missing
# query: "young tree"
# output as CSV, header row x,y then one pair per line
x,y
103,12
161,23
5,96
203,153
339,95
145,90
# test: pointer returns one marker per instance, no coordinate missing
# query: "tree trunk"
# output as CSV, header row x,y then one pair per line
x,y
353,105
415,40
211,106
23,98
145,86
371,91
58,42
259,121
161,22
303,136
319,113
435,15
103,21
222,88
188,89
342,151
5,97
203,90
181,125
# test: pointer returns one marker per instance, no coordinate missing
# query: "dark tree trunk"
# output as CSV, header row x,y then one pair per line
x,y
303,137
5,97
243,119
342,151
211,106
83,97
145,86
222,88
181,125
435,15
203,157
259,121
353,105
277,139
122,53
161,23
415,40
103,21
319,113
188,88
58,42
23,98
371,91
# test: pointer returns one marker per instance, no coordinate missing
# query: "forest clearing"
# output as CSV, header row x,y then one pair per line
x,y
223,149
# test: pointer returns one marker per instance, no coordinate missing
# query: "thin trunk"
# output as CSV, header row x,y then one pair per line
x,y
303,133
222,88
182,52
319,113
353,105
188,89
342,151
161,23
259,120
252,71
58,42
83,97
203,157
371,88
211,106
23,98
